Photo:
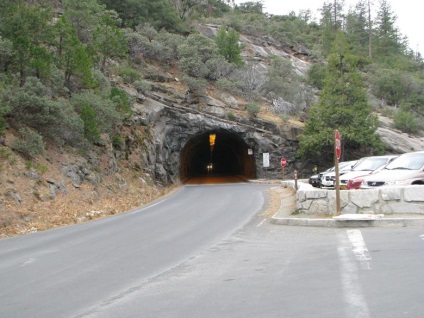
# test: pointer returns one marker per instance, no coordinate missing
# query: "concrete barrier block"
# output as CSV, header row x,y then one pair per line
x,y
301,196
319,207
304,205
350,208
364,199
390,194
402,208
344,199
414,193
316,194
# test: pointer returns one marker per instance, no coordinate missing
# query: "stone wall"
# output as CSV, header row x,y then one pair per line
x,y
386,200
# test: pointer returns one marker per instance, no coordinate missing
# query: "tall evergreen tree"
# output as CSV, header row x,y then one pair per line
x,y
85,16
388,40
29,30
72,57
342,105
159,13
109,41
327,26
357,28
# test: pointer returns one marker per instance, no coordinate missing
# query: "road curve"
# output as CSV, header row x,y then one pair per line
x,y
68,272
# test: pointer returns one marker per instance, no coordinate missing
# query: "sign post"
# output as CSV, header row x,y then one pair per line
x,y
337,153
283,163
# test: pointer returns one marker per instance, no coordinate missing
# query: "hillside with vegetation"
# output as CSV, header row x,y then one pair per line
x,y
66,66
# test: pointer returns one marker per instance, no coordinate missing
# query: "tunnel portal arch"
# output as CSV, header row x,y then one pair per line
x,y
230,156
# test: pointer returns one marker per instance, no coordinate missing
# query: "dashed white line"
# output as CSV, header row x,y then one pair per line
x,y
359,248
356,304
422,236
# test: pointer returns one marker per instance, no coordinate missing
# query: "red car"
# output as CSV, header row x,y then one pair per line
x,y
354,184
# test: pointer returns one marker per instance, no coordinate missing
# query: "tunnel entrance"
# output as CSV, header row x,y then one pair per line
x,y
225,155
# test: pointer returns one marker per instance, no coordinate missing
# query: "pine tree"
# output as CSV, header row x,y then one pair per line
x,y
357,28
229,47
342,105
388,40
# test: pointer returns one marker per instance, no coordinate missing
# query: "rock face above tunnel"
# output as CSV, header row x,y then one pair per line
x,y
179,147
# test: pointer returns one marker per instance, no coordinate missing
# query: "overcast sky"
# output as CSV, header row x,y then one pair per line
x,y
410,19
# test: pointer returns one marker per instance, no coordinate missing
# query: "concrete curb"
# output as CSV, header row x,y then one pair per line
x,y
389,222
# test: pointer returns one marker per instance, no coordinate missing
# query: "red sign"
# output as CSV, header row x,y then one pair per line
x,y
283,162
338,144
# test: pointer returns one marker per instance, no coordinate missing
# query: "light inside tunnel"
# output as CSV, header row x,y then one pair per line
x,y
212,138
221,153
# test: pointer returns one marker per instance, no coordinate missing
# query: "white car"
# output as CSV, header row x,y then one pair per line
x,y
328,179
407,169
365,166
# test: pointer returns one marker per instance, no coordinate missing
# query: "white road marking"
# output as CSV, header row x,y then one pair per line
x,y
262,222
356,304
145,208
29,261
359,248
422,236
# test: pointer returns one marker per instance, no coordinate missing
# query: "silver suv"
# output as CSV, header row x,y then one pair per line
x,y
406,169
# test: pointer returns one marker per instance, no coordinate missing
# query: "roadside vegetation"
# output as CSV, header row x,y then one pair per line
x,y
57,59
63,64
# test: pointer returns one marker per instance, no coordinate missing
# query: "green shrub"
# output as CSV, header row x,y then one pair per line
x,y
88,116
29,144
3,123
5,152
231,116
406,121
253,109
41,168
106,116
122,100
128,74
117,141
232,87
196,85
142,86
30,106
284,117
388,112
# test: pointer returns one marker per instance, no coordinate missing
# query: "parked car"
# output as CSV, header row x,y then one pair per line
x,y
355,183
328,179
315,180
407,169
365,166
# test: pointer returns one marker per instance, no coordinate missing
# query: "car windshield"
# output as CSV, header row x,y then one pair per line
x,y
370,164
410,161
347,165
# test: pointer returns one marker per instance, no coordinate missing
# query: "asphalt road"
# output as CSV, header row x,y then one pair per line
x,y
206,252
69,271
267,270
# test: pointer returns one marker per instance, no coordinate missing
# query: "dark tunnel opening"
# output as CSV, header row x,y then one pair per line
x,y
228,156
